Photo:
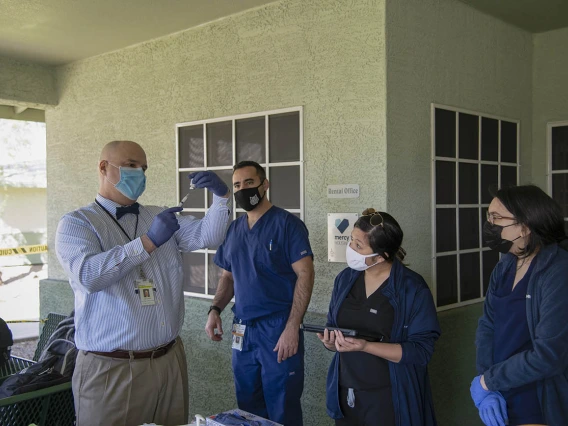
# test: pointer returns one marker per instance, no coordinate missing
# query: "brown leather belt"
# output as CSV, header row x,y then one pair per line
x,y
155,353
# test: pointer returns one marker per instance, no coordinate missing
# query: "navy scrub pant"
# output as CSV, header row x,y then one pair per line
x,y
263,386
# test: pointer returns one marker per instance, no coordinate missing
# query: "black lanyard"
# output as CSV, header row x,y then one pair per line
x,y
116,221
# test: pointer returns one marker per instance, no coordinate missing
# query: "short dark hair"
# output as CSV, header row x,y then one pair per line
x,y
385,238
532,207
248,163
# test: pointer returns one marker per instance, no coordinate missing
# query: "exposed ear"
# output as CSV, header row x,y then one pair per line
x,y
266,185
525,231
102,166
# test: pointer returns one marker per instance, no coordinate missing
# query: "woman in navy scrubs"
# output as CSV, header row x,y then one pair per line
x,y
383,382
522,337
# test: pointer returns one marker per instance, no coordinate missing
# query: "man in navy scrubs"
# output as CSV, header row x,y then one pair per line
x,y
267,265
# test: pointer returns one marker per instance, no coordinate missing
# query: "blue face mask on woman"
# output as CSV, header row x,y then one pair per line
x,y
132,181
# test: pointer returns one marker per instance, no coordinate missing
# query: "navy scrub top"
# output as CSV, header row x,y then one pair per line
x,y
261,259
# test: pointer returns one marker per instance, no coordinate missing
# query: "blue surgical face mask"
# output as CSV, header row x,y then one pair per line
x,y
132,181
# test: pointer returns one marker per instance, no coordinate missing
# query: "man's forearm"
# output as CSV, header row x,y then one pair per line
x,y
225,292
302,296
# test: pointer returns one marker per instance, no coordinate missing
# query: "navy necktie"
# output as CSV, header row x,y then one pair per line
x,y
121,211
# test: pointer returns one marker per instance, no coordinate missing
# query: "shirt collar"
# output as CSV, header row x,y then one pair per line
x,y
108,204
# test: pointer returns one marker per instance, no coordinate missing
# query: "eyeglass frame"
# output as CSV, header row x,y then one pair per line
x,y
372,215
491,217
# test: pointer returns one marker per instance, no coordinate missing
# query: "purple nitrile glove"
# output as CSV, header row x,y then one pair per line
x,y
477,392
210,181
164,226
493,410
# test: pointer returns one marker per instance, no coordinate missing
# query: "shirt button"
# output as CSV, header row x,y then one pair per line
x,y
163,324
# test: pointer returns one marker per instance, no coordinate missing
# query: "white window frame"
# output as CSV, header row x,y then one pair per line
x,y
457,206
267,166
550,172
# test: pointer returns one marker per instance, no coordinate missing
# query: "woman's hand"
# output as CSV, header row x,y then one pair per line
x,y
348,344
328,339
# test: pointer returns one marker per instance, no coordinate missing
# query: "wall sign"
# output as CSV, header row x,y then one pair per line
x,y
343,191
339,227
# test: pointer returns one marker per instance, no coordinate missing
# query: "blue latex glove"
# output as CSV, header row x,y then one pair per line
x,y
493,410
478,394
210,181
163,226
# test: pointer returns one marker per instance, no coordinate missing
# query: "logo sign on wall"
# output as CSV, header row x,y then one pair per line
x,y
339,227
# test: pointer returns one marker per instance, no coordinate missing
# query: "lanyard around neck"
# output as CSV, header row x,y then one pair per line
x,y
116,221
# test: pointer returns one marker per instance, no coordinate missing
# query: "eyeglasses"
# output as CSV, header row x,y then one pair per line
x,y
492,217
375,219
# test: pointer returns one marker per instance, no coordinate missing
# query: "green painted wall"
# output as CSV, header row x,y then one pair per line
x,y
550,93
26,84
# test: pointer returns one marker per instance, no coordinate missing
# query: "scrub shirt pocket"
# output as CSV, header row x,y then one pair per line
x,y
272,257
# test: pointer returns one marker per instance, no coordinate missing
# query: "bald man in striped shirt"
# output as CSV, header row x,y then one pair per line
x,y
124,263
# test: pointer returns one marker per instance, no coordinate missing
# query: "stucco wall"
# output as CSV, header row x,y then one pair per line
x,y
550,93
445,52
325,55
26,84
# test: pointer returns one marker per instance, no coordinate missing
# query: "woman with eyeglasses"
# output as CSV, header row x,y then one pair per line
x,y
522,337
381,379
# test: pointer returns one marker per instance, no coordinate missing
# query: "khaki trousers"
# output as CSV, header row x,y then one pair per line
x,y
122,392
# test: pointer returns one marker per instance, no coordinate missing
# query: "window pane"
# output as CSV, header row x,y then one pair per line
x,y
284,137
469,276
214,274
508,176
469,228
489,139
560,191
469,136
445,133
560,148
445,182
194,272
220,144
227,177
468,180
490,259
190,141
196,197
445,230
446,280
285,187
489,182
508,142
250,139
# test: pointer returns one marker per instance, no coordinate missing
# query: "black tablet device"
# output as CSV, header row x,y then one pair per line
x,y
320,329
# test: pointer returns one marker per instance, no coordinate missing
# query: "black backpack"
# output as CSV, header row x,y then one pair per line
x,y
6,343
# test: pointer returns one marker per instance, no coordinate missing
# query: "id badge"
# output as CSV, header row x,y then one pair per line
x,y
146,292
238,336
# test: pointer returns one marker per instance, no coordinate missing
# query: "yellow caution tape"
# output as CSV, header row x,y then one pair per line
x,y
26,250
19,321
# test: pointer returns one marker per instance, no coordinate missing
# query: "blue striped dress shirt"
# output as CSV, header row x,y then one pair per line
x,y
103,265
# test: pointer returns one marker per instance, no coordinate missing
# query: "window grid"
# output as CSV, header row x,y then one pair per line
x,y
457,206
552,172
266,164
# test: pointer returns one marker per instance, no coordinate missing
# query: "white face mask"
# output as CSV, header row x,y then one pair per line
x,y
357,261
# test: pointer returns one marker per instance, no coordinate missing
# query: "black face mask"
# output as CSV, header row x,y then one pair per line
x,y
492,237
249,198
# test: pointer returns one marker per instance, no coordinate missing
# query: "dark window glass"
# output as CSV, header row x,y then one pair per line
x,y
560,191
560,148
508,176
214,274
468,179
489,139
194,272
285,186
284,137
508,142
445,230
445,182
250,139
446,278
490,259
445,133
469,276
469,136
190,144
489,182
220,144
196,197
469,228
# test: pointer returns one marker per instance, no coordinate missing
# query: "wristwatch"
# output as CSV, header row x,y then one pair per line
x,y
214,308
